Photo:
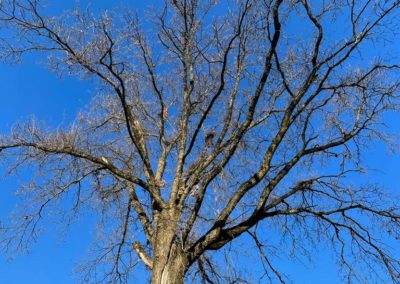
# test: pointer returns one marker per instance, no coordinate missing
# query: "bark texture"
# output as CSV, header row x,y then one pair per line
x,y
170,263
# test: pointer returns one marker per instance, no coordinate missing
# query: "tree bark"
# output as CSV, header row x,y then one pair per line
x,y
171,272
170,262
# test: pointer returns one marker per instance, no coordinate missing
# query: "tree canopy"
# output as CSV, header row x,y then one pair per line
x,y
210,121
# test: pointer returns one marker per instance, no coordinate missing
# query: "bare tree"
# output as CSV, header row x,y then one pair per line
x,y
213,120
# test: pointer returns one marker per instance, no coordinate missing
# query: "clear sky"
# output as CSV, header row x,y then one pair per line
x,y
29,89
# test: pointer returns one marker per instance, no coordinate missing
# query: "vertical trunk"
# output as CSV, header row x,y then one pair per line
x,y
171,272
170,263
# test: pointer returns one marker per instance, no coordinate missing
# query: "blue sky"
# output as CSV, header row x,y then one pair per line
x,y
29,89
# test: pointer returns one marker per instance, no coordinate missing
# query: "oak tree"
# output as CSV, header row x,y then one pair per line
x,y
213,122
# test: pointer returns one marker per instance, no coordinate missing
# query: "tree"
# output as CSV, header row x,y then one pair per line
x,y
214,121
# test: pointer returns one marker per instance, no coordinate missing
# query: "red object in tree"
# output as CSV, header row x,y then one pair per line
x,y
165,113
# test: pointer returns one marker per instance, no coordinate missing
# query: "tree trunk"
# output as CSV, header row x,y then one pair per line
x,y
171,272
170,262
